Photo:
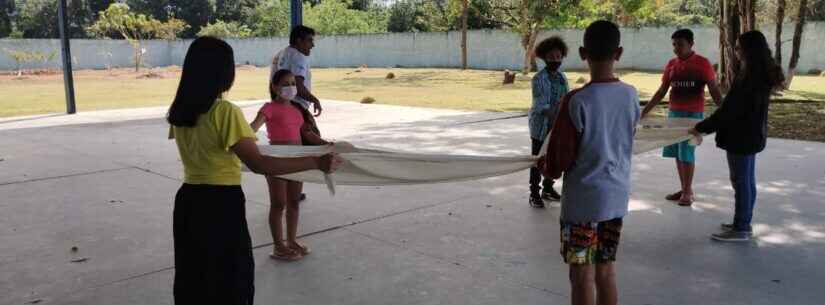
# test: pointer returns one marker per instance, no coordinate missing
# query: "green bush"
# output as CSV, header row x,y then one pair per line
x,y
222,29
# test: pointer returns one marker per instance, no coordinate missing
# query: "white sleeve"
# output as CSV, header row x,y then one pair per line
x,y
299,66
291,60
276,63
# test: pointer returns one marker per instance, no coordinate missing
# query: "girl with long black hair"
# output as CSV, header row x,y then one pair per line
x,y
741,127
213,250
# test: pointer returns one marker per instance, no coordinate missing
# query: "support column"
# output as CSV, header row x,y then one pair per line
x,y
296,10
68,81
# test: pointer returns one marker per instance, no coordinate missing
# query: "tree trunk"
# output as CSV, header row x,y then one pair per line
x,y
136,54
780,18
797,41
464,9
531,49
736,17
137,59
19,62
729,29
747,15
534,36
525,31
720,66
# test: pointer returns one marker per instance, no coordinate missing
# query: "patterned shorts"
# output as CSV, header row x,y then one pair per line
x,y
590,243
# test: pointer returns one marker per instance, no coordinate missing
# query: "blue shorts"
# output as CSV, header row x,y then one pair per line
x,y
682,151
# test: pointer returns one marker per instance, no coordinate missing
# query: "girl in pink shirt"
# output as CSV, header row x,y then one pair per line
x,y
284,126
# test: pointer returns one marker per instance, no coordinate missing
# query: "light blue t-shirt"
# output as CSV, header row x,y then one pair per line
x,y
597,186
548,89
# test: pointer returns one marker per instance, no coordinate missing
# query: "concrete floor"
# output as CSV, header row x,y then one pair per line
x,y
104,182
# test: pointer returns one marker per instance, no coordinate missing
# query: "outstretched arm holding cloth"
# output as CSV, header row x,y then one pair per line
x,y
562,145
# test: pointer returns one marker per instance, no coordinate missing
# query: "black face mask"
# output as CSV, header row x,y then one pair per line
x,y
553,65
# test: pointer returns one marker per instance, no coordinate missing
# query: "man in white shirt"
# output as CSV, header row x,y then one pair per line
x,y
295,58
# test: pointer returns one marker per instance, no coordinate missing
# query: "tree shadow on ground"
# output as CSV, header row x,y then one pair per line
x,y
789,209
457,134
778,182
790,186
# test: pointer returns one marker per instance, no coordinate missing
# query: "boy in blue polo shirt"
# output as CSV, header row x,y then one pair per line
x,y
592,143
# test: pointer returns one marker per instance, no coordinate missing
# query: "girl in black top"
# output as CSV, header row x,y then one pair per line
x,y
741,126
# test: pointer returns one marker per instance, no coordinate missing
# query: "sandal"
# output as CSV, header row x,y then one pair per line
x,y
685,201
285,254
300,249
674,196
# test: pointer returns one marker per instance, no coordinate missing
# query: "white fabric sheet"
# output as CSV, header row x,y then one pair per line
x,y
371,167
659,132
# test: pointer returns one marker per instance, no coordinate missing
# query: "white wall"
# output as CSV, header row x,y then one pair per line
x,y
645,48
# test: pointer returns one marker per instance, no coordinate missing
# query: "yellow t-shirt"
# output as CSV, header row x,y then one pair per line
x,y
205,148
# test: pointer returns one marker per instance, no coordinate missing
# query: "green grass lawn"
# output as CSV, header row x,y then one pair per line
x,y
797,114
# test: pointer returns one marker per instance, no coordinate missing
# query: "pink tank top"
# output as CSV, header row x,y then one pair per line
x,y
283,122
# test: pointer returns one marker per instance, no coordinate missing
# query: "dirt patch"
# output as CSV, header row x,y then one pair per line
x,y
14,74
150,74
794,120
799,121
45,72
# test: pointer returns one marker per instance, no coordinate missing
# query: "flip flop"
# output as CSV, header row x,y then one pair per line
x,y
675,196
685,202
285,254
301,249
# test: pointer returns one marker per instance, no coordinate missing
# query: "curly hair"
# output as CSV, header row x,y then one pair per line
x,y
550,44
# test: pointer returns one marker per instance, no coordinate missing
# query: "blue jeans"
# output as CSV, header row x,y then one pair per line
x,y
743,179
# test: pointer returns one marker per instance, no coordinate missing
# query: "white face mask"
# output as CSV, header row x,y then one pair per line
x,y
289,92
